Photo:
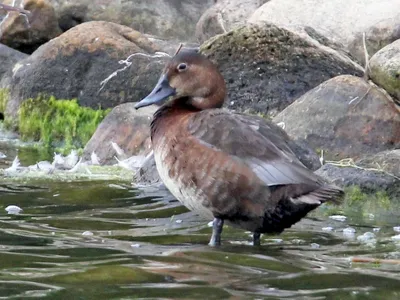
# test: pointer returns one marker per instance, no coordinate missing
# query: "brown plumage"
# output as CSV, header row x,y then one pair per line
x,y
225,165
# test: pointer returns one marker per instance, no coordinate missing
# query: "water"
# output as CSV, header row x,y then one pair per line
x,y
108,240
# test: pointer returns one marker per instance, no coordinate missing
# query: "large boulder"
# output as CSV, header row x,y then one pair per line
x,y
377,36
74,65
372,174
266,67
385,69
126,127
164,18
346,117
224,16
385,161
27,33
342,21
8,58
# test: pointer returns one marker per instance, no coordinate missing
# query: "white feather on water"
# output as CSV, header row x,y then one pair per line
x,y
95,159
14,166
13,209
118,150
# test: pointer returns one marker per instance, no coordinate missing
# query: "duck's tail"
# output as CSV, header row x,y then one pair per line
x,y
325,193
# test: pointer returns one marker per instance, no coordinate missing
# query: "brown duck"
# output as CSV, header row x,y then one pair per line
x,y
221,164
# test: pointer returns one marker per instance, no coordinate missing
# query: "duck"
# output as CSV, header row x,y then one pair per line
x,y
221,164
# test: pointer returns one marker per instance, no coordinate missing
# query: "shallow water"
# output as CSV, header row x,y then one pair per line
x,y
108,240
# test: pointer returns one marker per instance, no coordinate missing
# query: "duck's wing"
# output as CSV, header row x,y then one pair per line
x,y
258,144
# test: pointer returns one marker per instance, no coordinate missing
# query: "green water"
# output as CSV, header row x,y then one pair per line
x,y
140,243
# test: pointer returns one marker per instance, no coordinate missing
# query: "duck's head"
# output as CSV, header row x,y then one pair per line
x,y
188,78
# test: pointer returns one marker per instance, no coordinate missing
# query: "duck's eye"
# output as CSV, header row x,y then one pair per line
x,y
182,67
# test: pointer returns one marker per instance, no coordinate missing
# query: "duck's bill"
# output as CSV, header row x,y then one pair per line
x,y
161,92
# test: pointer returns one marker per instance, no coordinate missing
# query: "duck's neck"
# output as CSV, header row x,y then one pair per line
x,y
165,114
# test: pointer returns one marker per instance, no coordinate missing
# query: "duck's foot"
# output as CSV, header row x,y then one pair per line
x,y
215,240
256,239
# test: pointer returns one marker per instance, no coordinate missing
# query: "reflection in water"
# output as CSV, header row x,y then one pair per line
x,y
143,244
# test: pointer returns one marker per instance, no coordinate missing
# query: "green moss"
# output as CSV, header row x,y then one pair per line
x,y
361,203
58,123
4,93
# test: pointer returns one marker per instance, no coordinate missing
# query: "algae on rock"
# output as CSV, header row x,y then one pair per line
x,y
58,123
4,94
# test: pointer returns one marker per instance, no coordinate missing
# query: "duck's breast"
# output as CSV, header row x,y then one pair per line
x,y
177,174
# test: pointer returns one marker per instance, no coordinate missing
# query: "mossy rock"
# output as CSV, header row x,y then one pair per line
x,y
385,69
57,123
267,67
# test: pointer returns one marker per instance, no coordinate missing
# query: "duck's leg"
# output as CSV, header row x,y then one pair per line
x,y
256,239
215,240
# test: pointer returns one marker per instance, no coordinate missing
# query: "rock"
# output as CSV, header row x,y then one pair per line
x,y
74,65
27,33
368,181
9,57
377,36
127,127
344,116
266,67
72,15
224,16
147,174
164,18
339,20
385,69
387,161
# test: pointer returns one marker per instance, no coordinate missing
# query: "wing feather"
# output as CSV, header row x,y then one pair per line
x,y
260,145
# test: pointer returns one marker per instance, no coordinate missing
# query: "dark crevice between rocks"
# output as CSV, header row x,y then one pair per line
x,y
1,116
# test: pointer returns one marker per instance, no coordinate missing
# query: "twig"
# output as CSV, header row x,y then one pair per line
x,y
362,97
127,62
221,22
179,49
13,8
375,260
349,162
366,57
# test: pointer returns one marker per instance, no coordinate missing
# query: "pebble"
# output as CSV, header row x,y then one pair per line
x,y
13,209
396,228
178,221
135,245
338,218
376,229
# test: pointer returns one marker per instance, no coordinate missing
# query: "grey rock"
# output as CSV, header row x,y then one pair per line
x,y
266,67
385,69
127,127
27,32
368,181
341,21
224,16
344,116
8,58
164,18
377,36
75,64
